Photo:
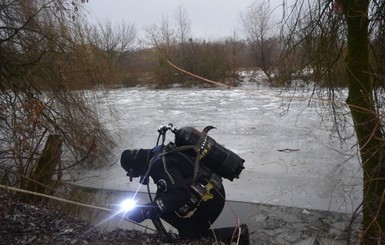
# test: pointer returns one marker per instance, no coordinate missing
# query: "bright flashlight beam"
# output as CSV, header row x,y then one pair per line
x,y
127,205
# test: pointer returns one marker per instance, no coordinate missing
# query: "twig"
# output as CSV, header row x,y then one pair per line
x,y
287,150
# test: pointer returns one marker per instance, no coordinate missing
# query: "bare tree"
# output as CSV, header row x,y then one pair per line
x,y
162,38
183,24
234,47
172,41
39,66
259,28
105,50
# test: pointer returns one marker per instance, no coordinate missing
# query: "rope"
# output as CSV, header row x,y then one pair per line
x,y
54,198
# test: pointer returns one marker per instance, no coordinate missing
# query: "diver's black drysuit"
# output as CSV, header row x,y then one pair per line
x,y
175,196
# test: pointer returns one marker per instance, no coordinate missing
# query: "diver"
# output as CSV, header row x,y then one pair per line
x,y
189,196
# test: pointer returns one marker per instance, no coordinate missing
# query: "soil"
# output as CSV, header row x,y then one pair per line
x,y
24,223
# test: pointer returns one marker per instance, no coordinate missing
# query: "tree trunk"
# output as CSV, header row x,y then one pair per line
x,y
367,123
45,168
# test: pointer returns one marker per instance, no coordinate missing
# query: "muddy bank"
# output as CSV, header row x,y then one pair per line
x,y
22,223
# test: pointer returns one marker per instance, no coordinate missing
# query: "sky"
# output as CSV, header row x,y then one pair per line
x,y
208,18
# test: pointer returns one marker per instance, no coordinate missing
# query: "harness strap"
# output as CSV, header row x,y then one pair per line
x,y
198,148
196,169
184,148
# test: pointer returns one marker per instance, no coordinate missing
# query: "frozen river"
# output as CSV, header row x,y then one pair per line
x,y
317,173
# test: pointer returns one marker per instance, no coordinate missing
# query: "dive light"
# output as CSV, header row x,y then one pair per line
x,y
127,205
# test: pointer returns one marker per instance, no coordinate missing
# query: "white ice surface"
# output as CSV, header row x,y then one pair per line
x,y
320,174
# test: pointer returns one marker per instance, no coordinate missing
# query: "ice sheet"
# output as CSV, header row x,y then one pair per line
x,y
290,157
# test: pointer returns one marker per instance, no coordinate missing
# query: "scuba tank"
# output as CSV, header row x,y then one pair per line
x,y
213,155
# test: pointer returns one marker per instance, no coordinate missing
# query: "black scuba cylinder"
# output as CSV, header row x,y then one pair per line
x,y
213,155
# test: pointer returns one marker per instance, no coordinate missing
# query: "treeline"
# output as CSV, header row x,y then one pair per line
x,y
318,59
216,60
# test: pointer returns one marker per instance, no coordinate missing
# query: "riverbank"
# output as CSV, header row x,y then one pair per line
x,y
22,223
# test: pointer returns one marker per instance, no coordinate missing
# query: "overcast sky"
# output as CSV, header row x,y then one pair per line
x,y
209,18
